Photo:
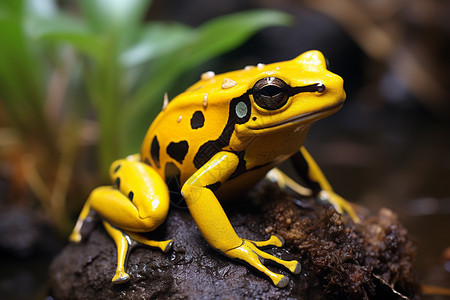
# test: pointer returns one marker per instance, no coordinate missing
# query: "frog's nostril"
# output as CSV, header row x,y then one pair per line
x,y
320,87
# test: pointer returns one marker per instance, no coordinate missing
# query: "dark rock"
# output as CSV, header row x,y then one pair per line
x,y
25,233
340,260
27,245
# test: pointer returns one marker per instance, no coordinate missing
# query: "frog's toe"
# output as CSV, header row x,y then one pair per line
x,y
352,214
340,204
292,265
249,253
279,240
120,277
163,245
274,240
166,245
297,268
75,237
282,282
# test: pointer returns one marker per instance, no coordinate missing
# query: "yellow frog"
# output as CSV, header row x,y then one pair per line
x,y
215,140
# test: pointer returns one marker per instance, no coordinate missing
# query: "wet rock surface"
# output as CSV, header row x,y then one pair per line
x,y
340,260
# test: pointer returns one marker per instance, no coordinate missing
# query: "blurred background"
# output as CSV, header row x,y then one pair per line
x,y
80,81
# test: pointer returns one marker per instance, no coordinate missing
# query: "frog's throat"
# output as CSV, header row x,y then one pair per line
x,y
304,118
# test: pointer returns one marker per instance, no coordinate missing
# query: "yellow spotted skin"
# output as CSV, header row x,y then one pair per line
x,y
216,140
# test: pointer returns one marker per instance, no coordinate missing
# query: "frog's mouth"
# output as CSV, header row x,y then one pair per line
x,y
304,118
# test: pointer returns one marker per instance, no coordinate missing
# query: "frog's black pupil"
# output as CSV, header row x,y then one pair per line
x,y
270,93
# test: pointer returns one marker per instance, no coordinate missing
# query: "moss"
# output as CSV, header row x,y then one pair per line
x,y
347,260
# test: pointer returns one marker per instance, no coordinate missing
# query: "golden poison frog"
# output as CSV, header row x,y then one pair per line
x,y
215,140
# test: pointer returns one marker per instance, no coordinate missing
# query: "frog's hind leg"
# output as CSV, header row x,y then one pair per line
x,y
125,241
75,236
138,202
165,246
124,245
284,181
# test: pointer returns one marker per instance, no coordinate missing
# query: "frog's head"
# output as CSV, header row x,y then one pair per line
x,y
276,98
284,96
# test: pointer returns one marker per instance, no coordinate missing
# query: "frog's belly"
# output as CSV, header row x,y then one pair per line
x,y
240,185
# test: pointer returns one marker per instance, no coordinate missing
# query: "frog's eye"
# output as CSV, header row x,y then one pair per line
x,y
270,93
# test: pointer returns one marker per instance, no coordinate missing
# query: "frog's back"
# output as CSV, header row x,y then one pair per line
x,y
192,119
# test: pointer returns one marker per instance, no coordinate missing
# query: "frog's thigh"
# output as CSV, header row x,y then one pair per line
x,y
120,211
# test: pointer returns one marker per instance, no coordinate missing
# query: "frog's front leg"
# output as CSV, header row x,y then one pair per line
x,y
138,202
313,176
198,191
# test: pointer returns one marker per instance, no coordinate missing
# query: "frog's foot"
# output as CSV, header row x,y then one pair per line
x,y
75,237
125,241
120,277
277,241
249,252
163,245
340,204
285,182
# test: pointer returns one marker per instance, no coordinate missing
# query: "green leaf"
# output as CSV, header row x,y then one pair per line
x,y
23,73
18,67
156,39
40,8
120,19
11,8
223,34
64,29
209,40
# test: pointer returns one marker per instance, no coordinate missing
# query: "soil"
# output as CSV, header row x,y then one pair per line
x,y
340,259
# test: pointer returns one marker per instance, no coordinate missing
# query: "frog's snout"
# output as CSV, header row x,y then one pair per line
x,y
333,89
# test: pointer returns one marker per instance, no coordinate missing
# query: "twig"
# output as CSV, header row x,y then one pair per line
x,y
35,182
